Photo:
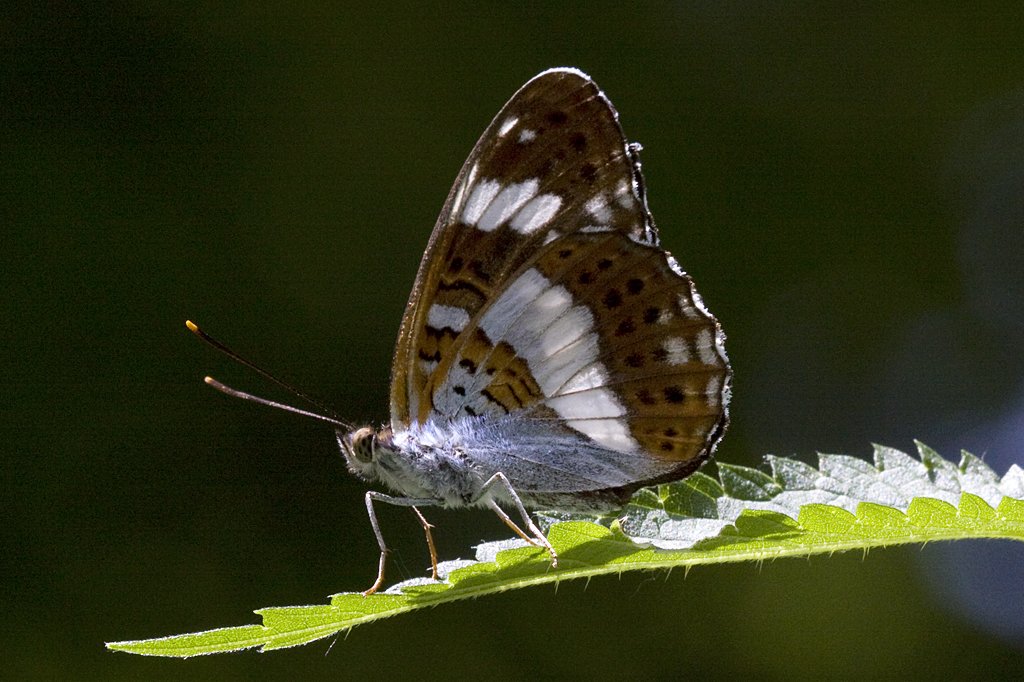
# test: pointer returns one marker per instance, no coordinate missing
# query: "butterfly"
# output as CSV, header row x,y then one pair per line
x,y
552,355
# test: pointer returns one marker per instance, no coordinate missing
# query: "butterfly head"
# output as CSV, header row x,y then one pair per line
x,y
362,449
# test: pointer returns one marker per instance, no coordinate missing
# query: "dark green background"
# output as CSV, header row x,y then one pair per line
x,y
845,188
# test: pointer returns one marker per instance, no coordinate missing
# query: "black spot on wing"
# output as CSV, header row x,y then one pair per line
x,y
674,394
557,117
612,299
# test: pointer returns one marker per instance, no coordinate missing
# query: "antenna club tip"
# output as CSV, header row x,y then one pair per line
x,y
209,380
192,326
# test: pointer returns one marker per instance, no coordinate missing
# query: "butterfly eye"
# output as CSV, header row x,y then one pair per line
x,y
362,444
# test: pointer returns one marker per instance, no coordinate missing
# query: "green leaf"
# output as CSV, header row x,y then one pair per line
x,y
745,514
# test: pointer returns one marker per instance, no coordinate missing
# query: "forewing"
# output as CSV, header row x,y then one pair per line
x,y
551,148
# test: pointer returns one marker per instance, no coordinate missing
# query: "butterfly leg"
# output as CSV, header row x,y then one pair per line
x,y
510,523
538,538
430,543
374,496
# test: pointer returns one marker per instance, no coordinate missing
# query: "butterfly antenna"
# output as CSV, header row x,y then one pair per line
x,y
326,414
235,393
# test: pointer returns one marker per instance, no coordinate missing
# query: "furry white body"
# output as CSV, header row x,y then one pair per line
x,y
450,462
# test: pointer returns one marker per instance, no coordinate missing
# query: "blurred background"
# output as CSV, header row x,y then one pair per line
x,y
846,189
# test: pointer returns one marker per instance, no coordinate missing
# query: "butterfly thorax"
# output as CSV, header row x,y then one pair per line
x,y
426,462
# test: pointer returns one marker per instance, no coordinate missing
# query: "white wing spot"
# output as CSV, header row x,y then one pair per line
x,y
551,236
479,199
664,316
597,206
561,350
611,433
600,403
537,213
687,308
461,193
555,370
447,316
506,203
594,376
624,195
505,311
527,135
538,318
595,228
558,341
675,347
446,401
509,123
597,414
713,391
706,348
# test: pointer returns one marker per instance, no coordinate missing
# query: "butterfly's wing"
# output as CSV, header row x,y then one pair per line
x,y
544,296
